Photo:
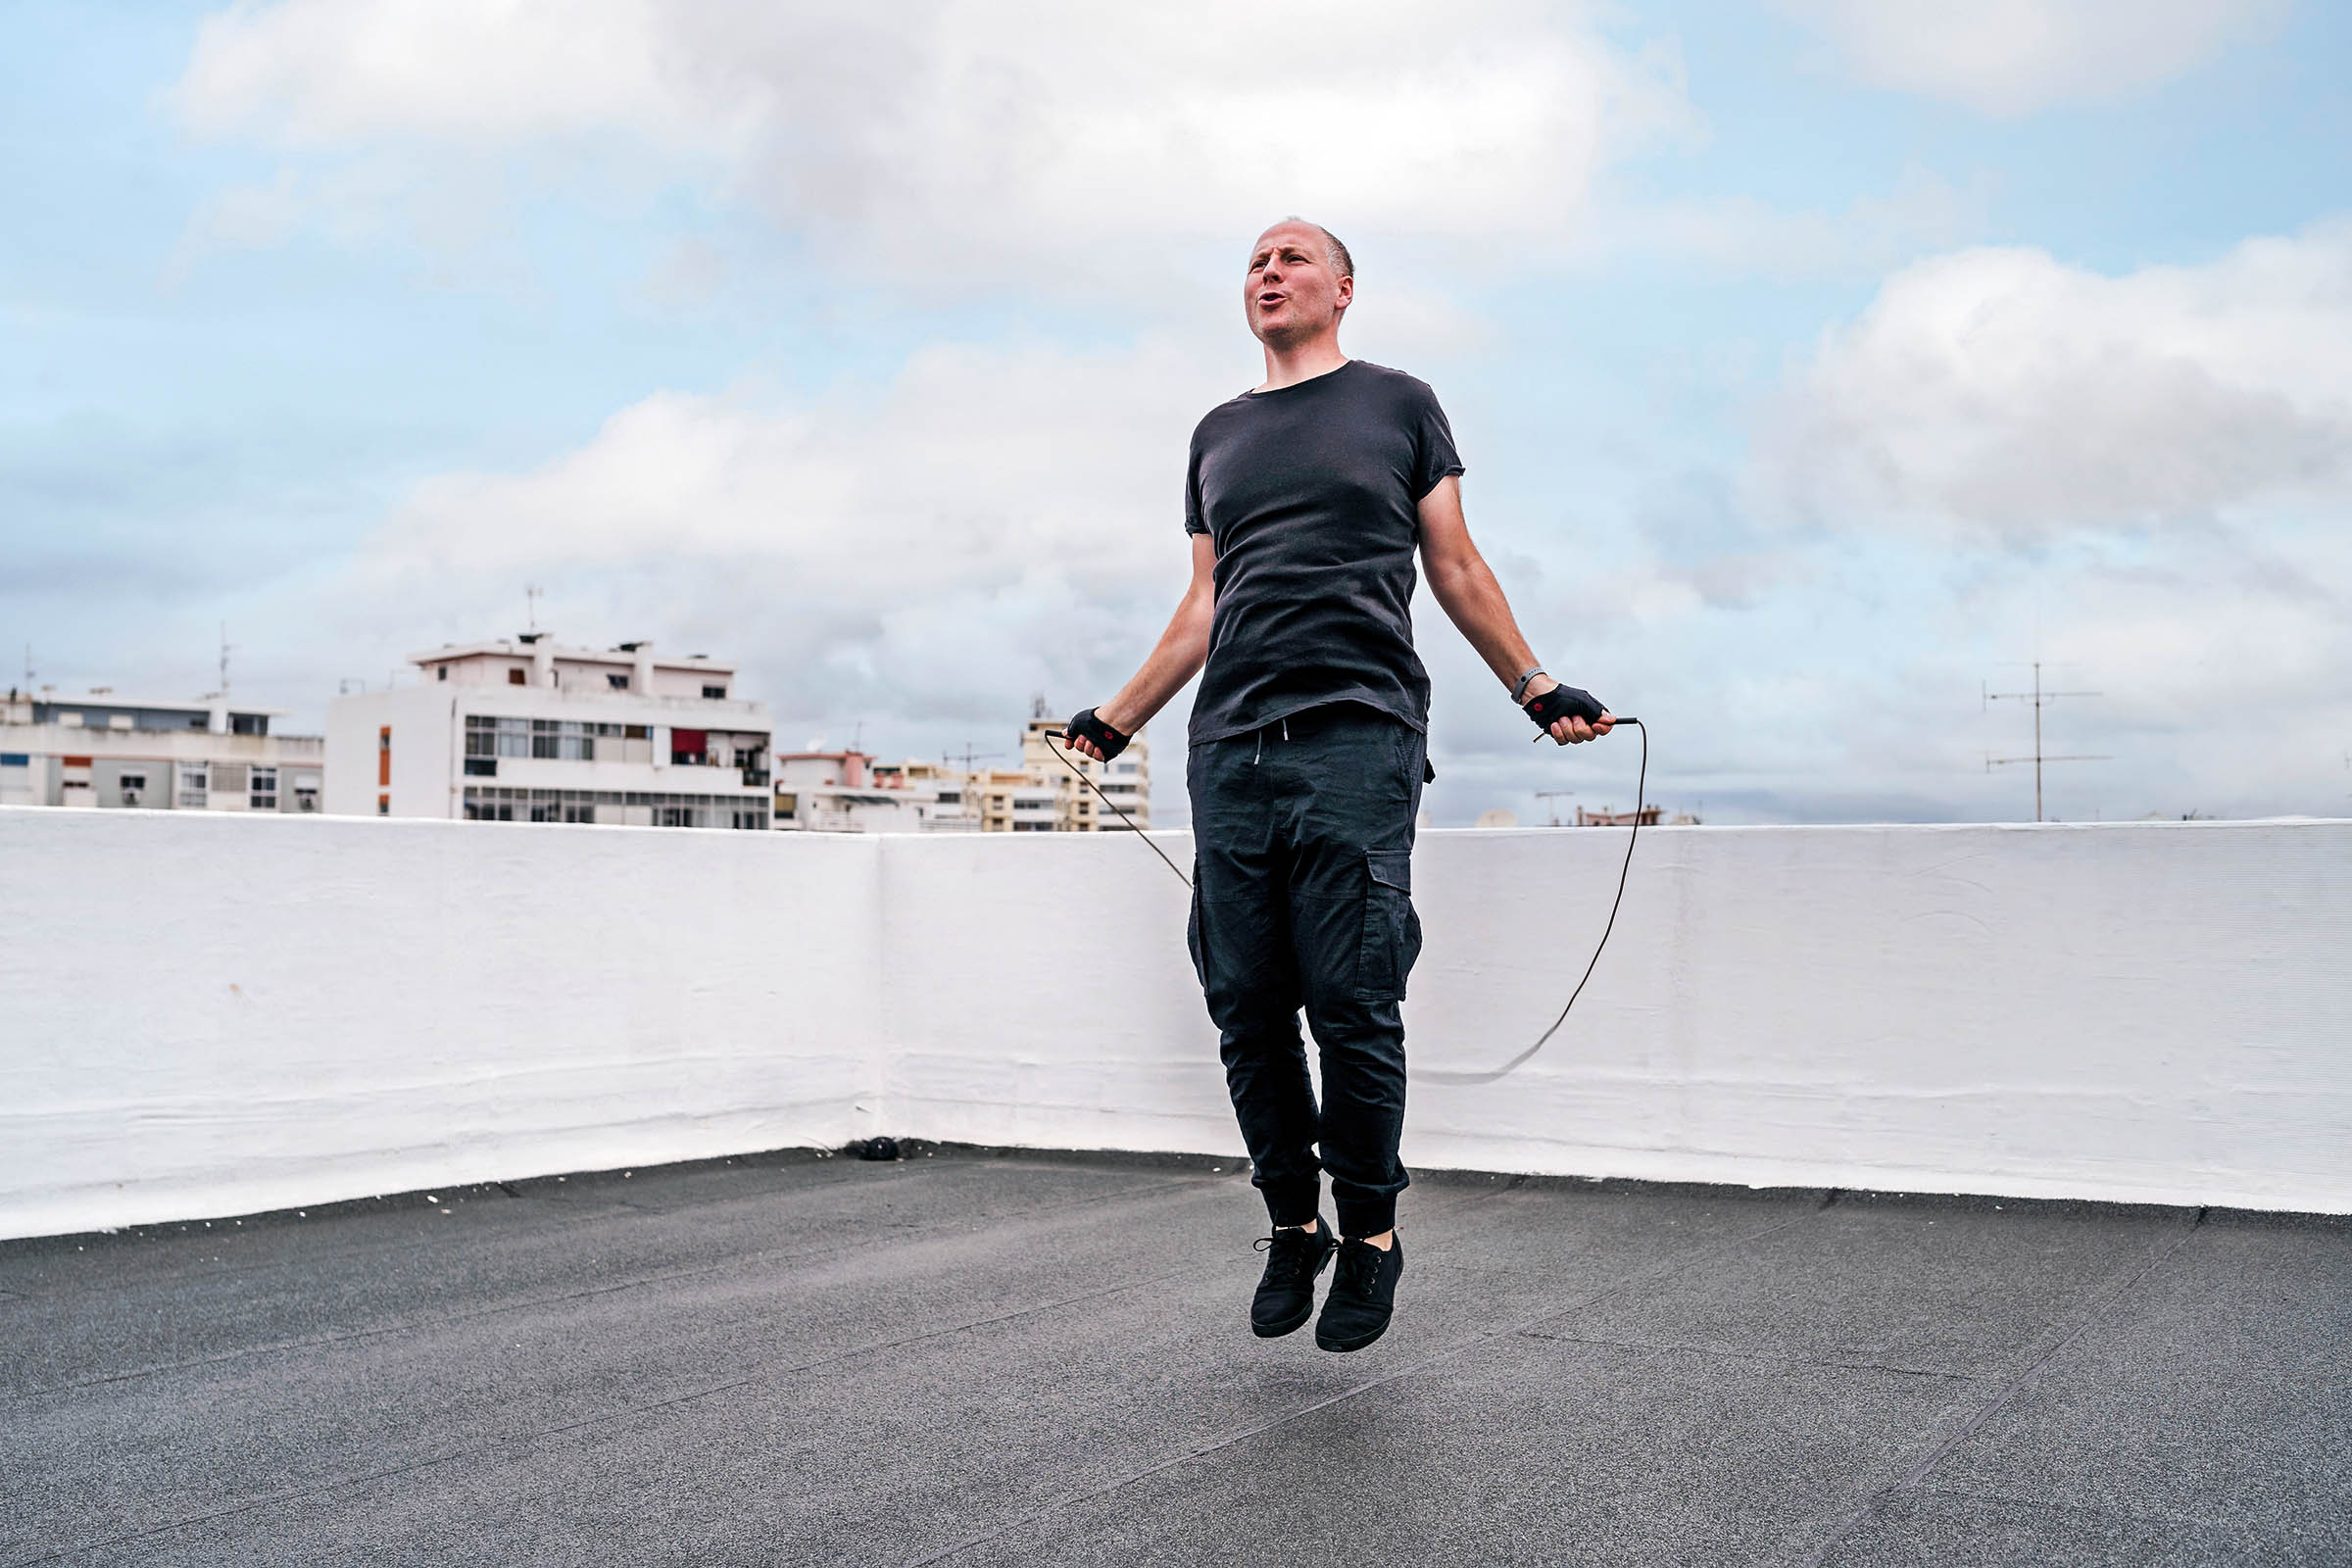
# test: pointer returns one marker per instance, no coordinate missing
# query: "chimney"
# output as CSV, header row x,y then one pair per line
x,y
217,718
642,683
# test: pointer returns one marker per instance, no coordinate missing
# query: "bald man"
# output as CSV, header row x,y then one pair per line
x,y
1307,498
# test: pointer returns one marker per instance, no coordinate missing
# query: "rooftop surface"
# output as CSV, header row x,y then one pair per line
x,y
976,1359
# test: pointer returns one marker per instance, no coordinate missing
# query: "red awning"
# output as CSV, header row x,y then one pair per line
x,y
689,740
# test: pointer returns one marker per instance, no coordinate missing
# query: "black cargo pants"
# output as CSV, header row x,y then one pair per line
x,y
1303,896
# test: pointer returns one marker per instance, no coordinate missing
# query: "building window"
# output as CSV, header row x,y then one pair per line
x,y
481,767
16,758
714,691
193,783
229,777
262,796
383,805
133,786
306,792
496,736
440,673
514,677
619,683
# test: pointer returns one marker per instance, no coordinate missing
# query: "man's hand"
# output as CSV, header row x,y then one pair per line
x,y
1089,736
1568,715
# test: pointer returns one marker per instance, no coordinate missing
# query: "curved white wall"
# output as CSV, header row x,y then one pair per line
x,y
214,1014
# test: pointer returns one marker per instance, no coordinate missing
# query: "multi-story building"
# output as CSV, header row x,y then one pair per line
x,y
848,791
942,798
1125,780
841,792
105,750
522,730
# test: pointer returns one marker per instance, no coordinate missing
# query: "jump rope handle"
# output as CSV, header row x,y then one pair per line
x,y
1614,718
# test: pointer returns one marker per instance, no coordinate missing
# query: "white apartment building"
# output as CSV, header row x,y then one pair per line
x,y
525,730
106,749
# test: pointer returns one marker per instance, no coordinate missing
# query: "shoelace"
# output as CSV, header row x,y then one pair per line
x,y
1358,1267
1289,1254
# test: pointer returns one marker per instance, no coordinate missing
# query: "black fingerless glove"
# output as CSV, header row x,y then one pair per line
x,y
1563,702
1084,725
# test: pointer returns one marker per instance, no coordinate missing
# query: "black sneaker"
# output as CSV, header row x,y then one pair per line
x,y
1363,1293
1286,1295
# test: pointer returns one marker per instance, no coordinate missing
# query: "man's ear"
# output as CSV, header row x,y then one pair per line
x,y
1346,292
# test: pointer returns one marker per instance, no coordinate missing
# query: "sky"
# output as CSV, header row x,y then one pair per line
x,y
1819,366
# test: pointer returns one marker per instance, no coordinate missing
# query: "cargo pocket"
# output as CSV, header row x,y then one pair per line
x,y
1392,938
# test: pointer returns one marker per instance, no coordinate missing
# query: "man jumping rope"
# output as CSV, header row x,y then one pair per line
x,y
1305,497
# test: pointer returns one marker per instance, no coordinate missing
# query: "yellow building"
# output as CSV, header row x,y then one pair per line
x,y
1041,796
1125,782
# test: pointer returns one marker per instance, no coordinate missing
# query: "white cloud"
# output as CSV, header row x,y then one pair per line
x,y
992,135
2002,395
2012,57
987,522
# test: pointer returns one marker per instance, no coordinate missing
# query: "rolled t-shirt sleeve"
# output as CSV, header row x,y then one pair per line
x,y
1433,455
1195,520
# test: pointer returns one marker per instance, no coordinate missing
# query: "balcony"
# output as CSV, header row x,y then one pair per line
x,y
1889,1188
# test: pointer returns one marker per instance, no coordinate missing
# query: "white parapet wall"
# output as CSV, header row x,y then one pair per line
x,y
203,1015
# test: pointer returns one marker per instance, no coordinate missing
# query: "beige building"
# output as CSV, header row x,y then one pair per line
x,y
847,791
103,749
1125,780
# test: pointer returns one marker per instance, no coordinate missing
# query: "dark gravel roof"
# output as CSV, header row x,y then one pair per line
x,y
986,1359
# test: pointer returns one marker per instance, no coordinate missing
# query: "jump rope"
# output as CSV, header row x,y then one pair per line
x,y
1641,785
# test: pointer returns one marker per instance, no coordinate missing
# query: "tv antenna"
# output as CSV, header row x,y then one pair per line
x,y
1553,795
968,757
2039,698
532,593
225,650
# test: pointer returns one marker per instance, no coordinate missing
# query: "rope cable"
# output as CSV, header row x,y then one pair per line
x,y
1624,870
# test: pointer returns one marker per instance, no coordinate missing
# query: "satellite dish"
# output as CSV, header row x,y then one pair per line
x,y
1500,816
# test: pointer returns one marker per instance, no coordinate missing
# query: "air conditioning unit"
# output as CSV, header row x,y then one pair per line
x,y
130,797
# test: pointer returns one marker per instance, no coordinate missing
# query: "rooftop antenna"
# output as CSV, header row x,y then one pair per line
x,y
2039,698
1036,707
968,757
225,653
532,594
857,737
1553,795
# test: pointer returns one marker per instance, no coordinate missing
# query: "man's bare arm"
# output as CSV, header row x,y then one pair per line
x,y
1466,589
1182,648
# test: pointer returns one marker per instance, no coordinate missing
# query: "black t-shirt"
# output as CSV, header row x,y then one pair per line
x,y
1311,494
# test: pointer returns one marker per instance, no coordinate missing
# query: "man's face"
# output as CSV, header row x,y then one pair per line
x,y
1291,294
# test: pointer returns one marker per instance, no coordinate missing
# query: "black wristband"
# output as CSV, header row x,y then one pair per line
x,y
1563,702
1084,725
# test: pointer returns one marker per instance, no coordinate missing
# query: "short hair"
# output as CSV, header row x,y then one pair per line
x,y
1339,258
